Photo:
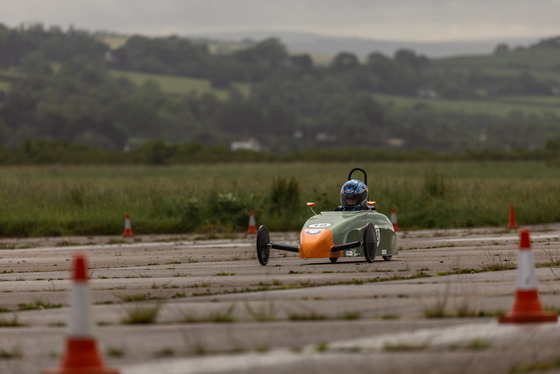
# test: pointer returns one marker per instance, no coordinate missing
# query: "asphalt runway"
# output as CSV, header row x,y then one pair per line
x,y
432,309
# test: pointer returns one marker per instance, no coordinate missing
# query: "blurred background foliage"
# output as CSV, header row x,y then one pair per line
x,y
75,86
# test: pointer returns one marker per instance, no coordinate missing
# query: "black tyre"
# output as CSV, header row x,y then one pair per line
x,y
263,245
333,259
387,258
369,243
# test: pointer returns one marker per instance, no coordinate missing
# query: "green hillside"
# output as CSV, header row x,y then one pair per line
x,y
501,106
117,93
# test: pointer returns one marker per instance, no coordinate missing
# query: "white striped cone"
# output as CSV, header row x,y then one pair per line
x,y
527,306
81,323
127,226
81,354
394,219
252,224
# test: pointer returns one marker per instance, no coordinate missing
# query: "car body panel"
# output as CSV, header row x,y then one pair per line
x,y
316,243
324,230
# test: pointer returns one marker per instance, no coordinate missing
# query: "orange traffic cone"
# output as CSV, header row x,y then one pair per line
x,y
127,227
512,224
394,219
252,225
81,354
527,306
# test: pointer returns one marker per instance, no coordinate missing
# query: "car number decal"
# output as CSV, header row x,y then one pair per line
x,y
313,231
318,225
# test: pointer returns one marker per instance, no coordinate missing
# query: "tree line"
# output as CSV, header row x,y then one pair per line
x,y
157,152
66,92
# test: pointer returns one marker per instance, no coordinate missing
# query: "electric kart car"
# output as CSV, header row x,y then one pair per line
x,y
339,233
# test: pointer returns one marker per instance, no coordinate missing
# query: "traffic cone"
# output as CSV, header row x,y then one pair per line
x,y
127,227
81,356
527,306
512,224
252,225
394,219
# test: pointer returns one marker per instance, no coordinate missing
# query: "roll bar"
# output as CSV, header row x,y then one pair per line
x,y
358,169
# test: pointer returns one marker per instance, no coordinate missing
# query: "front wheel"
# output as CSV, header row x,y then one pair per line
x,y
369,243
263,245
333,259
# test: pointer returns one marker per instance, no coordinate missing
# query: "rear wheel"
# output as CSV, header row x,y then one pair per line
x,y
369,243
387,258
333,259
263,245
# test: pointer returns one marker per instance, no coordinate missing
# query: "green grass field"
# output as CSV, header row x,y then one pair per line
x,y
180,85
538,58
5,86
501,106
7,76
57,200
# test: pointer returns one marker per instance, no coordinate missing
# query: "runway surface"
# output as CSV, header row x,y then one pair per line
x,y
432,309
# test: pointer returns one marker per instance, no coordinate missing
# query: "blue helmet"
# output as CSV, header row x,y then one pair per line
x,y
353,195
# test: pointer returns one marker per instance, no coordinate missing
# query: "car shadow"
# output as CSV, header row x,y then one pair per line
x,y
341,262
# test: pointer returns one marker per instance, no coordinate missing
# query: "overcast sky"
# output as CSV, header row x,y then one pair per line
x,y
414,20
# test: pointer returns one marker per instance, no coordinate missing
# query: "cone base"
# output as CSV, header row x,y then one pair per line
x,y
128,233
528,318
81,357
252,230
527,309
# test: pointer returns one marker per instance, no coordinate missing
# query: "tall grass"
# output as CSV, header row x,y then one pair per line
x,y
88,200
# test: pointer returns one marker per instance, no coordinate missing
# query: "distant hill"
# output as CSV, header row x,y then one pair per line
x,y
67,86
332,45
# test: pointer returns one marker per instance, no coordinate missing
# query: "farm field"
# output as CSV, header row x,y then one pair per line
x,y
8,76
178,304
217,198
536,59
180,85
501,106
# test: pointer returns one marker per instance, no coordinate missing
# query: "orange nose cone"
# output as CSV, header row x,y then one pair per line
x,y
316,243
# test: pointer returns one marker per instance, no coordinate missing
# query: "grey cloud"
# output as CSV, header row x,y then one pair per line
x,y
395,19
